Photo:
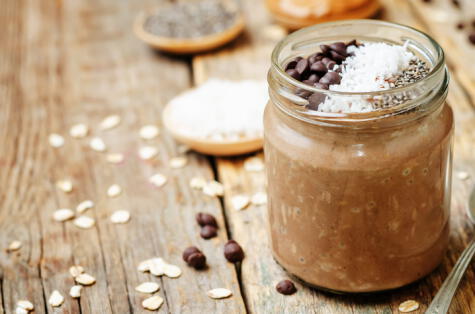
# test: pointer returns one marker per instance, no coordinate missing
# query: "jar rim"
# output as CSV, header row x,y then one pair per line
x,y
438,66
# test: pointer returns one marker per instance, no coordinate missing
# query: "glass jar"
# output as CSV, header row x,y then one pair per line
x,y
295,14
359,202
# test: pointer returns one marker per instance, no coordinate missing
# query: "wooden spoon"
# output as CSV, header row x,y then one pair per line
x,y
208,146
187,45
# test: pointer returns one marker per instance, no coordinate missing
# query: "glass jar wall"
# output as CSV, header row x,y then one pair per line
x,y
359,202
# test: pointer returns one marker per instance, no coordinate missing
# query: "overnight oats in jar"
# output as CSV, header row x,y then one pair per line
x,y
358,147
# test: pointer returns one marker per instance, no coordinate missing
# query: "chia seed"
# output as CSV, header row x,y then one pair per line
x,y
191,19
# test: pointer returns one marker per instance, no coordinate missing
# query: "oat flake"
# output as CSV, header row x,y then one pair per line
x,y
115,158
114,190
14,246
20,310
75,291
25,304
147,152
79,130
462,175
56,299
84,222
144,266
148,132
219,293
97,144
171,271
65,185
148,287
253,164
259,198
213,188
56,140
178,162
63,214
120,217
84,205
408,306
157,266
197,183
152,303
85,279
239,202
76,270
110,122
158,180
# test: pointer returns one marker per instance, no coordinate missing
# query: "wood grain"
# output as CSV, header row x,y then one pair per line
x,y
70,62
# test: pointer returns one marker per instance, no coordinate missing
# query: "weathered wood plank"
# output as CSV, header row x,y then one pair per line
x,y
259,272
79,62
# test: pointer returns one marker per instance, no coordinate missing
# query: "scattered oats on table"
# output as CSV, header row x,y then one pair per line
x,y
84,222
114,190
56,140
79,130
56,299
75,291
120,217
76,270
408,306
14,246
20,310
148,152
110,122
115,158
85,279
240,202
65,185
25,304
178,162
148,132
63,214
197,183
259,198
463,175
84,205
148,287
254,164
153,303
97,144
213,188
158,180
219,293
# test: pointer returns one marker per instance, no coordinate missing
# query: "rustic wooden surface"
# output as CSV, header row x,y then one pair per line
x,y
64,62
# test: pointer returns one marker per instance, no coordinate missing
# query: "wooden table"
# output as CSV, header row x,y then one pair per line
x,y
65,62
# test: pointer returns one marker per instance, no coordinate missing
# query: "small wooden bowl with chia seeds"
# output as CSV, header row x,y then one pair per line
x,y
187,27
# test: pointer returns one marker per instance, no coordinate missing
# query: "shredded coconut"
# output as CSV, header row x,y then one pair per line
x,y
221,110
372,67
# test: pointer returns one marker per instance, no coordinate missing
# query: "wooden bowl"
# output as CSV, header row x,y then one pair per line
x,y
211,147
187,45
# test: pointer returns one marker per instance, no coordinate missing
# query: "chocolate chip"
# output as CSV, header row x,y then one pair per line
x,y
336,57
314,78
233,252
204,219
330,78
319,67
308,82
302,66
286,287
197,260
326,61
325,49
321,86
471,37
291,65
473,23
208,232
339,47
188,251
460,25
293,73
456,3
352,43
315,100
331,65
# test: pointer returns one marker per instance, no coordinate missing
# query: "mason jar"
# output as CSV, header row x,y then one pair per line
x,y
359,202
